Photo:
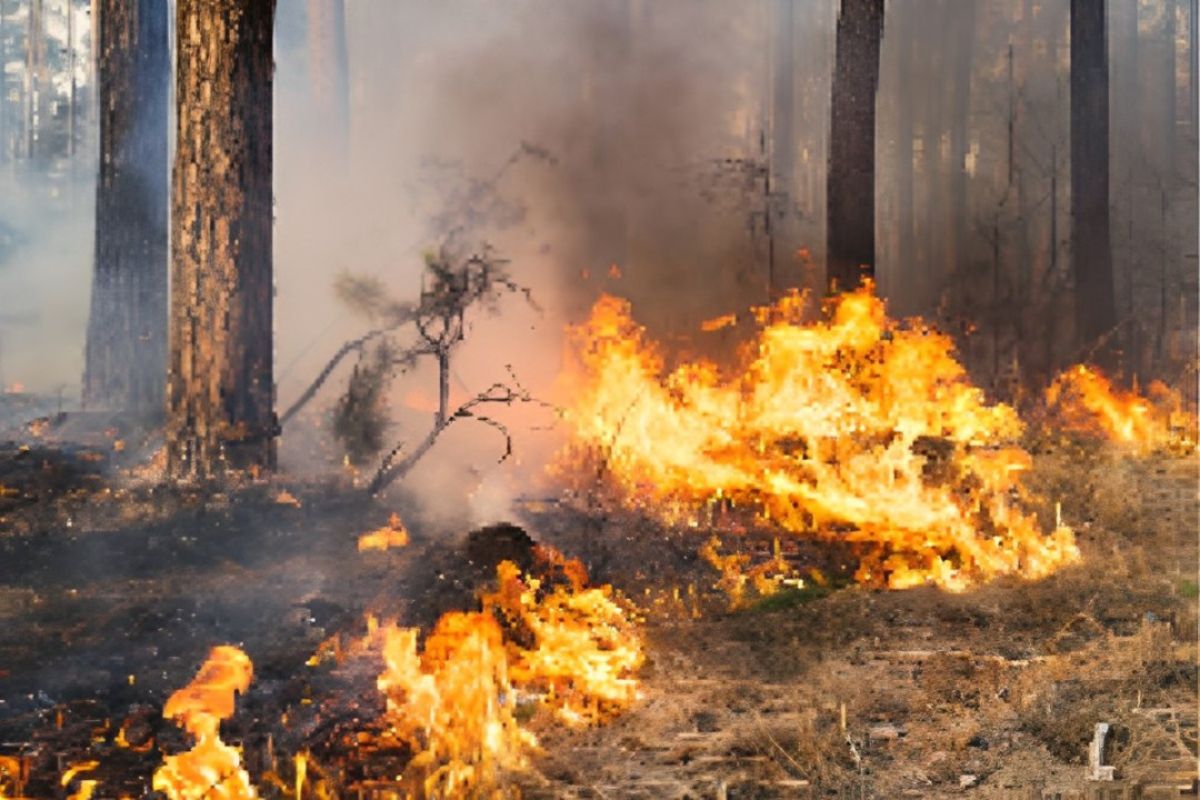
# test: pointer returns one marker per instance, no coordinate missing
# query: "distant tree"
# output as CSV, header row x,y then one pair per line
x,y
329,70
1091,247
126,352
220,390
850,252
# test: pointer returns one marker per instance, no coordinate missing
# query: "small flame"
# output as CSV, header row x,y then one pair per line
x,y
855,427
1085,400
211,769
391,535
716,324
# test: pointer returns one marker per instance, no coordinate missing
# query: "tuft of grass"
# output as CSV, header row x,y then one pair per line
x,y
791,597
1189,589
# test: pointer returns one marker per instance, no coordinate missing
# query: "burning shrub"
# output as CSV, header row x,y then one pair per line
x,y
856,427
1085,401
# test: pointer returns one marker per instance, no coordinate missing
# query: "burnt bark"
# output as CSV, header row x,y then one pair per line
x,y
220,389
1091,247
126,353
851,179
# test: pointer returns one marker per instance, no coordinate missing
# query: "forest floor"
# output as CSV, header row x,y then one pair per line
x,y
112,590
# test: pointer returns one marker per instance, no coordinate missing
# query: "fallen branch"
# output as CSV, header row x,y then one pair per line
x,y
352,346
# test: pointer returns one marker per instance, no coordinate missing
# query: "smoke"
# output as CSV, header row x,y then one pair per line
x,y
45,274
582,141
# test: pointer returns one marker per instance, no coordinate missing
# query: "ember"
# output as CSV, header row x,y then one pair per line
x,y
856,427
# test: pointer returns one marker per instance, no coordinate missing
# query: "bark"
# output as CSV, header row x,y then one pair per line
x,y
220,390
1091,248
126,355
851,180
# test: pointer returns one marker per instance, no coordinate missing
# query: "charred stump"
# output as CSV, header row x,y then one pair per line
x,y
220,389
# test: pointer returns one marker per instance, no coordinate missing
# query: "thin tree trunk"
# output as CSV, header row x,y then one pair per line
x,y
220,390
851,180
329,69
126,354
905,257
956,229
1091,249
780,272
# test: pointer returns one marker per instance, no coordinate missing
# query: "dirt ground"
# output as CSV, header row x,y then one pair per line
x,y
112,591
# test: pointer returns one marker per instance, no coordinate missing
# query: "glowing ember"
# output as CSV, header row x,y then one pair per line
x,y
211,769
87,787
1086,401
391,535
856,427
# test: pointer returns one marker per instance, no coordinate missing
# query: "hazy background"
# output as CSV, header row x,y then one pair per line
x,y
648,130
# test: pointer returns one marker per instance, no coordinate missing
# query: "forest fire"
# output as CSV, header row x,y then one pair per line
x,y
1086,401
855,427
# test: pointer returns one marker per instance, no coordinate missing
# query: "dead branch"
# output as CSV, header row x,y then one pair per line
x,y
498,393
354,345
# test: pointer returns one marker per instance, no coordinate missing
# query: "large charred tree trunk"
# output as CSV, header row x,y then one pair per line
x,y
851,179
220,389
1091,247
126,353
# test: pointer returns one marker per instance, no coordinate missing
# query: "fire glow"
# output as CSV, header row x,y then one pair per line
x,y
855,427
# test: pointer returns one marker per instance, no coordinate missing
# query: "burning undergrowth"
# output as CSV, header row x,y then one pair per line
x,y
394,712
856,428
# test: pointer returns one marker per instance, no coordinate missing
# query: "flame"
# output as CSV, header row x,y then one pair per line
x,y
87,787
584,652
1085,400
211,769
717,323
14,775
393,534
454,700
855,427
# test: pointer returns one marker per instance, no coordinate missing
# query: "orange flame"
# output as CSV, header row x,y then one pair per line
x,y
856,426
455,701
211,769
1085,400
391,535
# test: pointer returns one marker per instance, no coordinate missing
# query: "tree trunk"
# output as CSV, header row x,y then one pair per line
x,y
960,138
1091,248
126,353
851,180
905,256
220,390
780,269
